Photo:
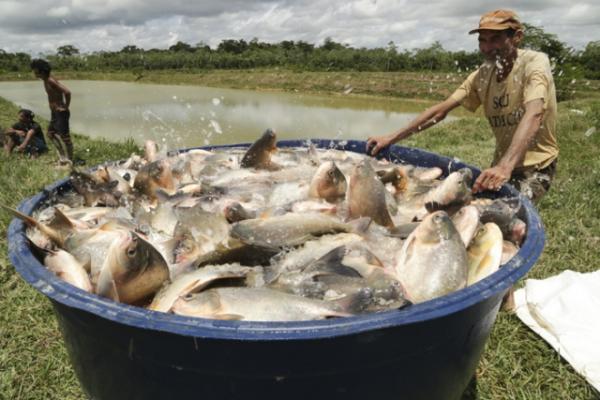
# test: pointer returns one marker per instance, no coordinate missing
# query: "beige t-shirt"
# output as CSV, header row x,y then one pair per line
x,y
503,102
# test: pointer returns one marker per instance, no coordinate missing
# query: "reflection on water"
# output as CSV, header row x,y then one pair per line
x,y
186,116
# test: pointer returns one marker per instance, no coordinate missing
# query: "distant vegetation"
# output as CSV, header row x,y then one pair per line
x,y
299,55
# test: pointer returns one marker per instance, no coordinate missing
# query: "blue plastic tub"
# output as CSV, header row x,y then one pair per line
x,y
426,351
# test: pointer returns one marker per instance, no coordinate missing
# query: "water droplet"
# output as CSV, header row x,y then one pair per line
x,y
590,131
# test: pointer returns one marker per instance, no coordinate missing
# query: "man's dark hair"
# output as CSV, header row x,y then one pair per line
x,y
510,32
40,65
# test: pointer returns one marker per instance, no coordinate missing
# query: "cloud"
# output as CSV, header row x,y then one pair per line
x,y
36,26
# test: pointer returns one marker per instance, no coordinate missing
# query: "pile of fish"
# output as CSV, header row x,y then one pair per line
x,y
268,234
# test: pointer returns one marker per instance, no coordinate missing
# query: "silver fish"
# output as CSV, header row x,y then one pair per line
x,y
255,304
366,195
289,230
433,259
194,282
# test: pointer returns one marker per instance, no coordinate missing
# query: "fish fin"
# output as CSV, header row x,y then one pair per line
x,y
360,225
61,220
402,231
87,263
164,196
271,274
432,206
332,263
114,294
409,248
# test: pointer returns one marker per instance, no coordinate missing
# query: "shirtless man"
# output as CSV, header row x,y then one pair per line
x,y
59,99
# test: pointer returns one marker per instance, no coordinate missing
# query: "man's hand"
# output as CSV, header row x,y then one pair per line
x,y
492,178
376,143
21,148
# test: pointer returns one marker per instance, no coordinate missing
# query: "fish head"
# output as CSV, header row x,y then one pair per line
x,y
329,182
364,170
435,227
259,153
133,257
400,181
205,304
128,255
186,249
459,184
235,212
489,232
269,140
455,189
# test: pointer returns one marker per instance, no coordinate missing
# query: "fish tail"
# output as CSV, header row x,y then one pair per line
x,y
26,218
355,303
51,233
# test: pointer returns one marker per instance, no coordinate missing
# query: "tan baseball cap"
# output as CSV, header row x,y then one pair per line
x,y
498,20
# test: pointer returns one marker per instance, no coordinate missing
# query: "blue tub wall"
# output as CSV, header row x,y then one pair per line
x,y
429,350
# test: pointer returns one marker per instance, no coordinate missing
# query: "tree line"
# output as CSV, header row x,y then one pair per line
x,y
300,55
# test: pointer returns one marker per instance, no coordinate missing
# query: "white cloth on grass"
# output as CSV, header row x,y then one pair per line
x,y
565,311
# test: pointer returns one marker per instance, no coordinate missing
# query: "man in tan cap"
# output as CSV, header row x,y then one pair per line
x,y
516,89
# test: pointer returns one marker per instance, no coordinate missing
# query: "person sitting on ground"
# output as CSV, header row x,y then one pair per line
x,y
25,136
59,100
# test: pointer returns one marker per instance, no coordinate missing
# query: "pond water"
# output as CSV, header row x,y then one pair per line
x,y
187,116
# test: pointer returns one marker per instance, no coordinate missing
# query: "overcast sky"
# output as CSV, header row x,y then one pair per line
x,y
40,26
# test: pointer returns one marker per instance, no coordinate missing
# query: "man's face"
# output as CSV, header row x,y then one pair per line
x,y
37,73
497,45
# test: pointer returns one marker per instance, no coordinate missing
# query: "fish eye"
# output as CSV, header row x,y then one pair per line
x,y
131,251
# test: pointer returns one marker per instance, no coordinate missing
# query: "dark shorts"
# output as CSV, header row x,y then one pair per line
x,y
535,183
59,122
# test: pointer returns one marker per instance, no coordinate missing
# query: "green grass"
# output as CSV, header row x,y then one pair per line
x,y
516,364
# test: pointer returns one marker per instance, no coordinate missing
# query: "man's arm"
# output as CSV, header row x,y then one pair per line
x,y
494,177
426,119
26,141
13,131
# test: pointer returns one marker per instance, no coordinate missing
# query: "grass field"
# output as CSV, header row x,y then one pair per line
x,y
516,364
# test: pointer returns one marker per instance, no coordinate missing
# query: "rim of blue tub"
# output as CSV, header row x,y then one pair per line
x,y
55,288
